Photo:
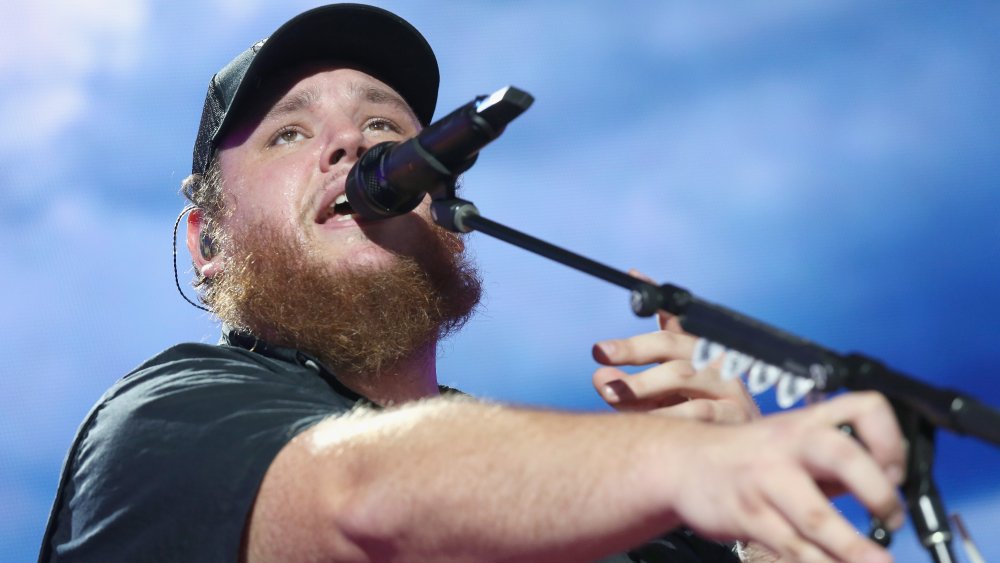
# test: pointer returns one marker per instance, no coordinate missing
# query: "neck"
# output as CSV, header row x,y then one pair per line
x,y
410,379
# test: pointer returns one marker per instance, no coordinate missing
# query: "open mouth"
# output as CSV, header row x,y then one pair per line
x,y
339,210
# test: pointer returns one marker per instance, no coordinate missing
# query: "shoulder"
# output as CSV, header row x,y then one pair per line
x,y
196,382
193,368
193,396
172,455
192,358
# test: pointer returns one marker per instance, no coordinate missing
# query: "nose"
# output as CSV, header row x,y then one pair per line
x,y
346,145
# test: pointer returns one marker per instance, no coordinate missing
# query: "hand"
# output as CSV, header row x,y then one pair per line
x,y
764,481
672,387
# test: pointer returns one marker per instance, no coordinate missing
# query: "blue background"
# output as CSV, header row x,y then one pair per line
x,y
829,167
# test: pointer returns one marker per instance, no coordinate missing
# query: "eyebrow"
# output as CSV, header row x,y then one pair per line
x,y
376,95
307,98
303,99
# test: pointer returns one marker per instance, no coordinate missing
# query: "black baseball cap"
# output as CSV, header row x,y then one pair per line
x,y
370,39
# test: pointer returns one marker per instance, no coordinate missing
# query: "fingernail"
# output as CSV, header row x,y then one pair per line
x,y
607,348
610,394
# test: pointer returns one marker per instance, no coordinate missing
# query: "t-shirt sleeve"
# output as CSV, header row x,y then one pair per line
x,y
168,466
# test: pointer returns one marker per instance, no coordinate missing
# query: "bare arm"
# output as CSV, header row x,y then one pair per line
x,y
459,480
450,479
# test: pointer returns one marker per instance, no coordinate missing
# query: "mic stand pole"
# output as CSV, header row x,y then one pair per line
x,y
920,408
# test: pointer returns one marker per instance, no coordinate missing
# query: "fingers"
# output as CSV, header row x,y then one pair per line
x,y
675,378
874,421
834,456
831,459
652,347
708,410
670,343
656,387
802,525
675,389
815,521
770,528
665,320
765,478
671,388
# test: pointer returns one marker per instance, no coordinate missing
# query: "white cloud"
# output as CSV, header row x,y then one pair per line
x,y
238,10
681,29
74,36
48,52
94,280
39,115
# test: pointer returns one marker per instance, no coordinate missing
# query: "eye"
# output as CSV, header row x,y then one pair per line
x,y
287,136
381,124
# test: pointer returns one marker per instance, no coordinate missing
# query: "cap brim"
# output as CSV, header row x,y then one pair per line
x,y
365,37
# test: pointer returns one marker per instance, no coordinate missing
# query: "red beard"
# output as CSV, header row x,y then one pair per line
x,y
360,321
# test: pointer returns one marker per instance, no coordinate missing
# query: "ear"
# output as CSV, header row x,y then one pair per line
x,y
207,262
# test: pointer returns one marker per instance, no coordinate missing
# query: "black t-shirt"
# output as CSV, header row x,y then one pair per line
x,y
167,464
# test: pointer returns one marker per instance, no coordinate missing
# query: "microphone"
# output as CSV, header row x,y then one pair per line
x,y
392,178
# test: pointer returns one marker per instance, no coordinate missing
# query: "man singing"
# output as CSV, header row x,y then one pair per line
x,y
316,429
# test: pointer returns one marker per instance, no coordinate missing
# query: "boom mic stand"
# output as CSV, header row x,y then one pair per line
x,y
920,408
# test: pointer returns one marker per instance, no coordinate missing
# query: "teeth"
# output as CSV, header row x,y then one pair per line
x,y
340,208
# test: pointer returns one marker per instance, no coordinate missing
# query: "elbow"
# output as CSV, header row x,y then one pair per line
x,y
320,504
375,507
368,522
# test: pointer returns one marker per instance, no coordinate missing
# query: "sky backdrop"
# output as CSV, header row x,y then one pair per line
x,y
829,167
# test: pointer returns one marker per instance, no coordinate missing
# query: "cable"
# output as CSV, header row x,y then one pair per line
x,y
177,280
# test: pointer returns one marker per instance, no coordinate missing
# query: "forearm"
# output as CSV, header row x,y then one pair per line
x,y
449,480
